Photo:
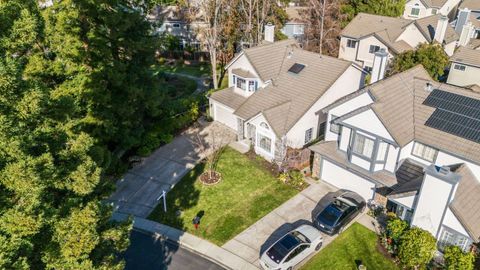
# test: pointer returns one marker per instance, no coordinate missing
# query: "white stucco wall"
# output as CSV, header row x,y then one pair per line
x,y
424,12
452,222
434,192
412,36
363,50
344,179
345,138
406,152
405,201
369,121
450,48
449,6
267,132
351,80
345,52
391,161
470,76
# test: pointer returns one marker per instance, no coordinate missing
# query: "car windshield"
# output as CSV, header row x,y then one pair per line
x,y
278,251
330,215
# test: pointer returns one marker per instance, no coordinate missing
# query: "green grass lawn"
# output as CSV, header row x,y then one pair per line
x,y
355,244
197,70
246,193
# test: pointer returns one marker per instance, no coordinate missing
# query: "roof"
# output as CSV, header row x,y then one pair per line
x,y
284,101
228,97
466,202
435,3
428,25
410,177
474,44
466,56
296,14
471,4
243,73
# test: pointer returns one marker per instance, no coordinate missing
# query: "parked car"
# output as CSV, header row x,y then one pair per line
x,y
339,213
292,248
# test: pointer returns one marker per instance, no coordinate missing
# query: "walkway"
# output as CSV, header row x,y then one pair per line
x,y
138,190
301,209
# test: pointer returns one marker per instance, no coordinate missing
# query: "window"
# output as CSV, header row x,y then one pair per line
x,y
374,49
252,86
308,135
334,128
382,151
452,238
424,152
363,146
295,252
351,43
176,25
234,79
265,143
241,83
434,11
415,11
367,69
298,29
264,125
459,67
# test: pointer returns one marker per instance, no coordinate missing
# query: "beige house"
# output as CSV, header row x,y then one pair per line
x,y
274,92
411,144
367,34
416,9
465,67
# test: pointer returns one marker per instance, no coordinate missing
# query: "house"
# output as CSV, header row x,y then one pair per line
x,y
173,20
465,67
467,26
367,34
410,144
473,5
416,9
274,92
295,26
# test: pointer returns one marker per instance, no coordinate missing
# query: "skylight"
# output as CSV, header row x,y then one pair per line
x,y
296,68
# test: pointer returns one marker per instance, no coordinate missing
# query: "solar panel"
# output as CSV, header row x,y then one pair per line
x,y
296,68
455,114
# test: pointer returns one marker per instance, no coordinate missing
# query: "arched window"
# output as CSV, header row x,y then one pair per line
x,y
264,125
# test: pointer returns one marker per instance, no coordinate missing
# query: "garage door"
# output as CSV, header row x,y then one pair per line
x,y
344,179
225,116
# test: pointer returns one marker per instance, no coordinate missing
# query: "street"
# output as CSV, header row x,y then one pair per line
x,y
146,252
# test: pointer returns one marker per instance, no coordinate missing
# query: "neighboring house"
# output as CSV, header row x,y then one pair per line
x,y
467,26
473,5
367,34
417,9
465,67
173,20
295,26
274,93
412,145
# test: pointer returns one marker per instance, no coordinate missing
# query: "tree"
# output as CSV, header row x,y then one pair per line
x,y
431,56
416,248
391,8
456,259
395,228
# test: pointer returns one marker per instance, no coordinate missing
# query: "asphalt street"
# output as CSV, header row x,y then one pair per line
x,y
148,252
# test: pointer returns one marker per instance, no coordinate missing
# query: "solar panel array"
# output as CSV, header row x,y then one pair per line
x,y
456,114
296,68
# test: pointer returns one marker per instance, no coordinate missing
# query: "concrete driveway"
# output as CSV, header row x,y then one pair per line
x,y
299,210
138,190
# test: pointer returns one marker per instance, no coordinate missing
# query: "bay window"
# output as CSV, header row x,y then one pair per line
x,y
363,146
241,83
451,238
424,152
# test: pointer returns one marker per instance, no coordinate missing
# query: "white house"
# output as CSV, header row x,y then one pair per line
x,y
465,67
411,144
367,34
275,91
295,26
416,9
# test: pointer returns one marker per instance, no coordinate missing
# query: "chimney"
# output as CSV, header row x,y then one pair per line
x,y
379,65
462,19
441,29
269,32
468,32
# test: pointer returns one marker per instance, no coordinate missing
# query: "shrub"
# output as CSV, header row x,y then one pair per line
x,y
395,228
456,259
416,248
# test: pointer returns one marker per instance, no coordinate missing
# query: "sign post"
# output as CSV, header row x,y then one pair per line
x,y
164,196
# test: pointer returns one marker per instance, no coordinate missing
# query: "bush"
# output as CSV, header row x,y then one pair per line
x,y
456,259
293,178
416,248
395,228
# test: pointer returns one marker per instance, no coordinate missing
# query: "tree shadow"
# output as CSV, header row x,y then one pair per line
x,y
280,232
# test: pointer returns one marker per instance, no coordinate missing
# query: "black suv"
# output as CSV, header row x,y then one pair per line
x,y
339,213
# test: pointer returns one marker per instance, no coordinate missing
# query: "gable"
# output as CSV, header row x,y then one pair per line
x,y
368,120
412,36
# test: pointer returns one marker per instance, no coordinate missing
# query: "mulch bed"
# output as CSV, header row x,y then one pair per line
x,y
210,178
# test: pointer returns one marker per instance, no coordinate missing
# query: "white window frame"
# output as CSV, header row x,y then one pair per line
x,y
374,49
298,29
417,9
239,80
363,153
308,135
424,151
260,136
459,67
449,237
382,153
349,43
252,85
334,128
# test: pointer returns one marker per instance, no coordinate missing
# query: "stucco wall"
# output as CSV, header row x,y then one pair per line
x,y
412,36
470,76
418,4
347,53
363,50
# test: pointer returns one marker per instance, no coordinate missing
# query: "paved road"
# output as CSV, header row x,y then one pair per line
x,y
138,190
146,252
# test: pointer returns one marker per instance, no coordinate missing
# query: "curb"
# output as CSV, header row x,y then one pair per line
x,y
202,247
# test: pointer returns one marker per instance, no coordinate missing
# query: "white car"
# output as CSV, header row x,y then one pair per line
x,y
292,248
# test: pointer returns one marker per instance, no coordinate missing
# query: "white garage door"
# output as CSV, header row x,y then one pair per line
x,y
225,116
344,179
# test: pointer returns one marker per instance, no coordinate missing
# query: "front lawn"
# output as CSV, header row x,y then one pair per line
x,y
246,193
196,69
356,244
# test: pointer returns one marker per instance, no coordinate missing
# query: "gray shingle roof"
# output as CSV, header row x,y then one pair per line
x,y
243,73
428,25
289,95
229,98
471,4
466,56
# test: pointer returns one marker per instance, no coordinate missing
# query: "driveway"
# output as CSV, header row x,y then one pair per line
x,y
149,252
301,209
137,192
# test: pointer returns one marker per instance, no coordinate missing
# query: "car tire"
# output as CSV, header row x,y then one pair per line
x,y
319,246
341,229
289,268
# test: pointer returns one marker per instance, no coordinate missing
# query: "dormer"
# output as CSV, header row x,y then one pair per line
x,y
244,82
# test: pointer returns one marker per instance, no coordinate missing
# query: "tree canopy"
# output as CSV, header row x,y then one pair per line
x,y
416,248
76,92
391,8
456,259
431,56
